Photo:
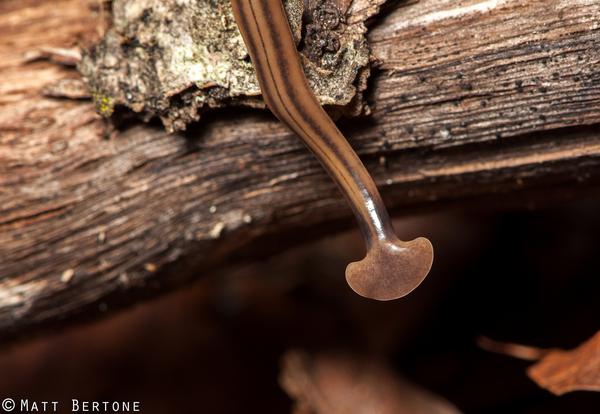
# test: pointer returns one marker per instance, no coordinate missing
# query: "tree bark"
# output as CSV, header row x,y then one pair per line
x,y
486,100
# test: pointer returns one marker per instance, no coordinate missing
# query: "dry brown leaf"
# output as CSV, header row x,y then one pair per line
x,y
346,384
565,371
557,370
525,352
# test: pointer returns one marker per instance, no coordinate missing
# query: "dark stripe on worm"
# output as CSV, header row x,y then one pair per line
x,y
392,268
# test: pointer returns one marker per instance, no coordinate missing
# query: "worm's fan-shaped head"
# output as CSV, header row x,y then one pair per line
x,y
391,269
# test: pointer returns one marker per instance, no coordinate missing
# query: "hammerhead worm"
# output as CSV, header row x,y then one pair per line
x,y
391,268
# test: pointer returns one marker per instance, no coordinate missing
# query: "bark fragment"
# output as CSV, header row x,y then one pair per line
x,y
173,58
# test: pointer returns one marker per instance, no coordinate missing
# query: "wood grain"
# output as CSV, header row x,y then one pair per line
x,y
472,100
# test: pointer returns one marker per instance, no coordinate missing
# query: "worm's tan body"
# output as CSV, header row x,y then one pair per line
x,y
392,268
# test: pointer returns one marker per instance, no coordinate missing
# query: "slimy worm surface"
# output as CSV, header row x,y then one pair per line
x,y
391,268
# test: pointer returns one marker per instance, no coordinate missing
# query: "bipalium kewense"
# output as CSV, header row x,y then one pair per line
x,y
392,268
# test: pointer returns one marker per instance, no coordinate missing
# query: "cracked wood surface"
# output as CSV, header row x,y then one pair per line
x,y
472,100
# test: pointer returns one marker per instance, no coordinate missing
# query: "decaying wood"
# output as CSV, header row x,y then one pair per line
x,y
471,99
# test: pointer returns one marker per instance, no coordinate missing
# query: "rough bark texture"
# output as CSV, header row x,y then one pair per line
x,y
472,99
158,61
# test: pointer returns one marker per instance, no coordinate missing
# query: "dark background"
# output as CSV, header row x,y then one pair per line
x,y
525,275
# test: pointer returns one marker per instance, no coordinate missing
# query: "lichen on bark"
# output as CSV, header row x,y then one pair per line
x,y
175,58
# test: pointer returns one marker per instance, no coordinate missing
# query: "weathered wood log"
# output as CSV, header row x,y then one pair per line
x,y
483,98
